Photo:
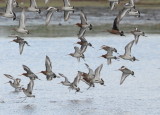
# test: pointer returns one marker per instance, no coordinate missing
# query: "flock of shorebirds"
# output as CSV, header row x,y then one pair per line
x,y
90,78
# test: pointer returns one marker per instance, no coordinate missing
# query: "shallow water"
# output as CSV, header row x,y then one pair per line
x,y
136,96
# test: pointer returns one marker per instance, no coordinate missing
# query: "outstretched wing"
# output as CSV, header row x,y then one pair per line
x,y
48,64
128,48
124,75
22,20
66,15
66,3
21,46
33,4
9,76
30,86
97,72
27,69
66,79
83,17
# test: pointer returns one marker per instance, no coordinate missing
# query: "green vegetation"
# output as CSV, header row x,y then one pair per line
x,y
82,3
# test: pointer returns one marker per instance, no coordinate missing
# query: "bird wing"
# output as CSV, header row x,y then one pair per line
x,y
83,18
19,38
49,16
81,32
77,50
90,71
112,4
66,3
119,17
9,76
30,86
21,47
22,20
83,48
48,64
27,69
9,6
77,79
33,4
124,75
128,48
66,15
131,2
97,72
66,79
109,61
136,38
115,24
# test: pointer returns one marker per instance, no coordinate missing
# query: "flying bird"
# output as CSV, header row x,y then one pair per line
x,y
127,55
137,33
9,10
15,83
83,25
49,15
29,73
21,43
48,72
33,7
125,73
22,24
78,53
67,8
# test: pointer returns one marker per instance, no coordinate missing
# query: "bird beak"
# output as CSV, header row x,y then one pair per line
x,y
10,41
6,82
38,73
59,83
137,59
20,75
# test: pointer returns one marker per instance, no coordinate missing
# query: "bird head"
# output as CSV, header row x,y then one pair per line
x,y
102,82
122,33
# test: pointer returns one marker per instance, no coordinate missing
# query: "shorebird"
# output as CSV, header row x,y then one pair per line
x,y
16,82
92,76
22,26
83,25
9,10
67,9
28,91
66,82
125,73
33,7
127,54
48,72
128,7
49,15
84,42
21,42
78,53
74,84
112,3
109,58
134,12
29,73
15,3
109,49
109,54
137,33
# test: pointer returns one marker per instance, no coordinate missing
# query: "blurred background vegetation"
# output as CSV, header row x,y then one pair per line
x,y
83,3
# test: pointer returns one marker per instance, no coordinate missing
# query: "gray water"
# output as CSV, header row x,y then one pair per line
x,y
136,96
